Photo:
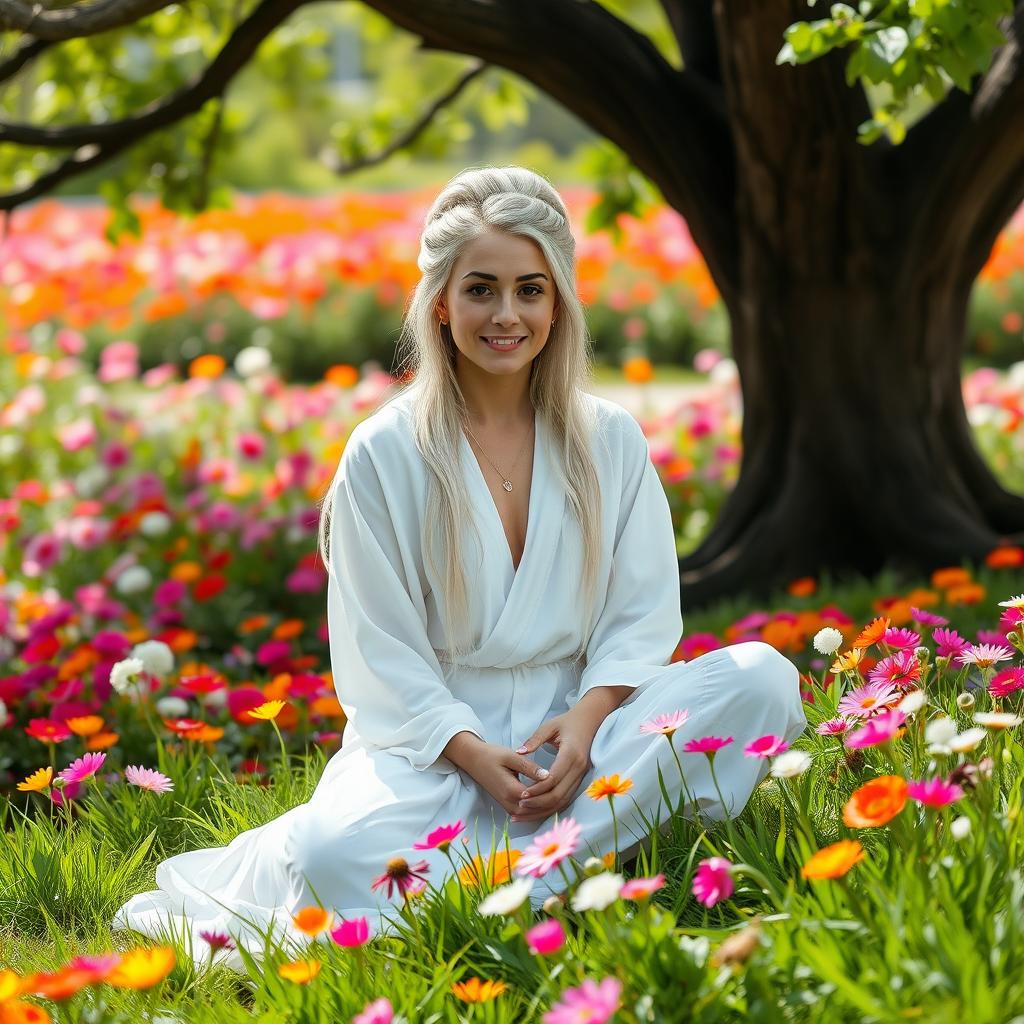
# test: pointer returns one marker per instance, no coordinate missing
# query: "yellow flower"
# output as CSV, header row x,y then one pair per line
x,y
37,781
846,662
142,968
268,711
833,861
475,990
608,785
300,971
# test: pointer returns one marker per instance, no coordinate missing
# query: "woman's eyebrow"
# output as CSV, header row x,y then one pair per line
x,y
493,277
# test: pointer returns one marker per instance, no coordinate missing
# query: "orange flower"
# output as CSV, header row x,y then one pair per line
x,y
102,740
608,785
876,802
638,370
476,990
609,860
142,967
288,629
300,971
497,871
872,632
833,861
312,920
804,586
209,366
342,375
37,781
62,984
969,593
951,577
267,711
1007,556
206,733
23,1013
84,725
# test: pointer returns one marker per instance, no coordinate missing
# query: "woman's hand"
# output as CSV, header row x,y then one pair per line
x,y
572,734
497,768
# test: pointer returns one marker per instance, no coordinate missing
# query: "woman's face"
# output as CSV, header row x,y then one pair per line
x,y
501,287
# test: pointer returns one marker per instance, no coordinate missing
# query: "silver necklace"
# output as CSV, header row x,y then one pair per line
x,y
505,482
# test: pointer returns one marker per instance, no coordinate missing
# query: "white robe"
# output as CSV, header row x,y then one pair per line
x,y
389,785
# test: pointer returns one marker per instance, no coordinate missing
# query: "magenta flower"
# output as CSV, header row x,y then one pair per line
x,y
863,701
546,937
934,792
765,746
84,767
100,964
665,724
217,940
641,888
148,778
900,639
379,1011
441,838
589,1003
927,618
713,881
948,642
901,669
549,849
832,727
709,745
70,791
1002,684
407,877
877,730
351,933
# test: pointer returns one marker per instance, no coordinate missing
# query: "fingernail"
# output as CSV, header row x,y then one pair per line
x,y
522,749
525,796
542,773
514,817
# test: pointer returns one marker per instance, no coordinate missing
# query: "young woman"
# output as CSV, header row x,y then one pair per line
x,y
503,601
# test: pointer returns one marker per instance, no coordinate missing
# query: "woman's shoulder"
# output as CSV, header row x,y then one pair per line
x,y
383,439
615,424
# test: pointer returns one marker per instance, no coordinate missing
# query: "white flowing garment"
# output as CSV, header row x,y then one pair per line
x,y
389,784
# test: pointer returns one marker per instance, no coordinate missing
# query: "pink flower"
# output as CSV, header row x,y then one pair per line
x,y
934,792
407,877
832,727
100,964
351,933
148,778
877,730
948,642
70,791
83,767
984,654
765,746
590,1003
379,1011
900,669
549,849
900,639
217,940
641,888
707,745
713,881
441,838
665,724
864,700
927,618
546,937
1002,684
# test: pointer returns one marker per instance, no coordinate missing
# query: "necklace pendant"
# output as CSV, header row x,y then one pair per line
x,y
507,485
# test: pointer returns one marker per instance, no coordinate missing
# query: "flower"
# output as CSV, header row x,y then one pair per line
x,y
123,673
1013,602
997,719
900,669
665,724
969,739
441,838
913,701
882,727
828,640
948,642
713,881
546,937
960,827
641,888
833,861
832,727
37,781
934,792
864,700
707,745
47,730
148,778
400,873
984,655
497,871
847,662
876,802
597,892
217,940
872,632
927,618
156,657
589,1003
299,971
268,711
142,967
549,849
608,785
379,1011
790,764
765,746
506,899
476,990
84,767
312,920
84,725
1002,684
900,639
351,933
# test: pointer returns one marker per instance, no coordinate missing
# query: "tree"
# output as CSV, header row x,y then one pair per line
x,y
844,245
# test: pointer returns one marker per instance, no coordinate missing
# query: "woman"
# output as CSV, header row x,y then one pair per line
x,y
503,602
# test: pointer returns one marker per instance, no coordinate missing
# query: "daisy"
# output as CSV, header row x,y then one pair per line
x,y
597,891
832,727
765,746
790,764
507,899
1002,684
882,727
984,655
37,781
349,933
550,849
901,669
948,642
545,938
934,792
709,745
399,872
589,1003
713,881
862,701
900,639
848,661
1014,602
476,990
927,618
641,888
84,767
665,724
148,778
913,701
997,719
441,838
608,785
872,632
217,940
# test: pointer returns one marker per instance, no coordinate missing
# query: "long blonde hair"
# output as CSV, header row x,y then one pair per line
x,y
521,202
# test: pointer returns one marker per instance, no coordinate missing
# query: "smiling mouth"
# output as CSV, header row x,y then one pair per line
x,y
502,344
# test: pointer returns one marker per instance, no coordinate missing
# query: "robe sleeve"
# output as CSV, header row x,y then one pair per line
x,y
388,678
641,622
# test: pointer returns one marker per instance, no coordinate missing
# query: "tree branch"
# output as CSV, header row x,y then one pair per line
x,y
693,25
27,50
74,22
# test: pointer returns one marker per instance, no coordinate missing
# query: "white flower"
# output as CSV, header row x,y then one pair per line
x,y
940,730
252,360
134,580
91,480
790,763
172,707
592,865
828,640
997,719
959,827
3,714
964,701
157,657
913,701
967,740
597,892
154,523
215,698
506,899
122,675
1014,602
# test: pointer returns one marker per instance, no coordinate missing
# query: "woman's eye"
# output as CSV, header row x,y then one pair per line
x,y
536,290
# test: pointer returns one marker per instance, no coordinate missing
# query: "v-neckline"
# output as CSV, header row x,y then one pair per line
x,y
531,504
